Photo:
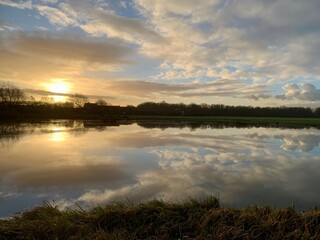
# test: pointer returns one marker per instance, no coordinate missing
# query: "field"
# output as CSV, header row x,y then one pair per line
x,y
190,219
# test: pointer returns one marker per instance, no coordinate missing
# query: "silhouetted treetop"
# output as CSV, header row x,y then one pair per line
x,y
180,109
78,99
11,94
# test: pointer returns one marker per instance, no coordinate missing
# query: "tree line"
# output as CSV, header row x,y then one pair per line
x,y
180,109
14,101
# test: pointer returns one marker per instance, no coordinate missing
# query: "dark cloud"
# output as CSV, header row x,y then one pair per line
x,y
273,22
260,96
217,88
73,48
41,56
48,93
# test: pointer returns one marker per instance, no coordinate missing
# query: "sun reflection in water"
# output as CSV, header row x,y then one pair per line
x,y
58,134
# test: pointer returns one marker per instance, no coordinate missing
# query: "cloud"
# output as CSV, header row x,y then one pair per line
x,y
304,92
307,92
96,20
50,1
256,38
8,26
43,56
56,16
165,7
217,88
266,43
76,49
111,25
260,96
65,57
123,4
36,92
17,4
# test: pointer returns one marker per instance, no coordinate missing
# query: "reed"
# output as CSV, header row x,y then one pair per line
x,y
189,219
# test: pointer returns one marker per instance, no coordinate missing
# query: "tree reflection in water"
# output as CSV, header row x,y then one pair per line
x,y
11,132
95,161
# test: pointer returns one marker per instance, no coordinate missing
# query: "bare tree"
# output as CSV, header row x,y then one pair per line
x,y
101,102
78,99
47,100
11,94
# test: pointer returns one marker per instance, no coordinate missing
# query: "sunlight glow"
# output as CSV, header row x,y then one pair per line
x,y
58,98
58,86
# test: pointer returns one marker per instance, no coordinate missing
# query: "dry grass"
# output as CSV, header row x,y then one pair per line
x,y
161,220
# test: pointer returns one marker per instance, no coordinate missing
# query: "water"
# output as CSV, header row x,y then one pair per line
x,y
68,162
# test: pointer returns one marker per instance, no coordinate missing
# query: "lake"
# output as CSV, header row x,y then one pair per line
x,y
89,163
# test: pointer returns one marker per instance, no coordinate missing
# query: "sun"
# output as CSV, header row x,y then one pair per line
x,y
58,88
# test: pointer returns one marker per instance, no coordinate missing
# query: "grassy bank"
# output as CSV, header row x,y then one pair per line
x,y
160,220
308,122
262,121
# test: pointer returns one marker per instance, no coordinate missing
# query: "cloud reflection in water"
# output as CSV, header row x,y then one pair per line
x,y
240,165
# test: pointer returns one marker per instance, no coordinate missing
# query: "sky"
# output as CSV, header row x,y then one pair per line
x,y
248,52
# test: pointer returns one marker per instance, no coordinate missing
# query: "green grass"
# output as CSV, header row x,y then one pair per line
x,y
315,122
163,220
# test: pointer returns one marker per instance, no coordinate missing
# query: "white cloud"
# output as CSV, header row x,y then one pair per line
x,y
17,4
42,28
111,25
56,16
9,27
123,4
260,40
307,92
161,8
50,1
304,92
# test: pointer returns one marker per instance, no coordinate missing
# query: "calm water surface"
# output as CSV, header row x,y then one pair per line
x,y
70,162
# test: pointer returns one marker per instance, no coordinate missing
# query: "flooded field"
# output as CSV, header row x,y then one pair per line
x,y
89,163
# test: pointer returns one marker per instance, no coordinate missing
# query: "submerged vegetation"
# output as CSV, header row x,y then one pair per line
x,y
191,219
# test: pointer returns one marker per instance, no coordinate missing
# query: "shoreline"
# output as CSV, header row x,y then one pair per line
x,y
226,120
